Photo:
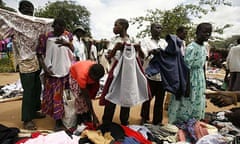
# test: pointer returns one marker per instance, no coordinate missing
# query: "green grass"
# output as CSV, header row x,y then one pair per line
x,y
6,65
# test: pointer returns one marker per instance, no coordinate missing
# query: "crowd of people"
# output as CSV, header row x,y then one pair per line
x,y
139,70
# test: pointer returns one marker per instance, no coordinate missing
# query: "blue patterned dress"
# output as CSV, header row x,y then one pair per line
x,y
194,105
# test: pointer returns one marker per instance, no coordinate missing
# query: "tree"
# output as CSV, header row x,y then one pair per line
x,y
227,43
3,6
181,15
72,13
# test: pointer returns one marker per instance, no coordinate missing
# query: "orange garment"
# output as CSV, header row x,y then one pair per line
x,y
79,71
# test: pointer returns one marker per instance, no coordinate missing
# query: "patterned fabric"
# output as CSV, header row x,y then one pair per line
x,y
163,133
52,102
80,79
213,139
192,130
194,105
29,65
80,102
26,30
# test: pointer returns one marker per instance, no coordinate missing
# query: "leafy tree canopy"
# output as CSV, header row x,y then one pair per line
x,y
3,6
227,43
72,13
181,15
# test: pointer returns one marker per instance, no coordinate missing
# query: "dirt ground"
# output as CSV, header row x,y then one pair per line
x,y
10,112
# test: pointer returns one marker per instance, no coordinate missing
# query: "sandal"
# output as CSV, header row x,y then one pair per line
x,y
29,125
59,126
39,115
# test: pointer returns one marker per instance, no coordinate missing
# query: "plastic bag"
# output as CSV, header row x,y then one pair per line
x,y
70,117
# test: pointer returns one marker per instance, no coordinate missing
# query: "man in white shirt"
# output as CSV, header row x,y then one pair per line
x,y
233,66
150,46
80,49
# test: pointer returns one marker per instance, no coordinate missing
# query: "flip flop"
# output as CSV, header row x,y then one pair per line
x,y
29,125
59,128
39,115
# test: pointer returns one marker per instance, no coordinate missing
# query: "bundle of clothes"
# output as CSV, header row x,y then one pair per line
x,y
191,132
11,91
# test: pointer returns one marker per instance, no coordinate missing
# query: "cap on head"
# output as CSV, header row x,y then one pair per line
x,y
79,28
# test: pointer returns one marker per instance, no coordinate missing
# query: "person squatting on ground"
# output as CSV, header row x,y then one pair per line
x,y
55,55
195,57
150,46
115,90
84,83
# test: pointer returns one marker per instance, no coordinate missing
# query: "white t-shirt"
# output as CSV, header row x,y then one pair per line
x,y
116,40
79,48
58,59
233,59
147,45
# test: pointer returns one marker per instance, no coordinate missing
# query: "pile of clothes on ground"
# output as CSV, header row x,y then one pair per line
x,y
215,84
215,79
218,131
10,91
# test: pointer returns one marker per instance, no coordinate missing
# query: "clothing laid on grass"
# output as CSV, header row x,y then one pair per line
x,y
194,105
